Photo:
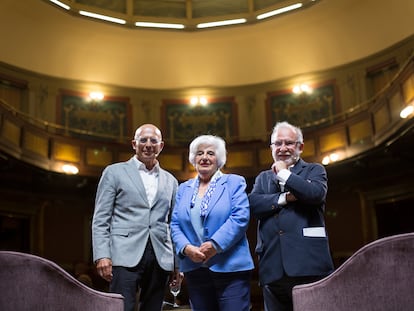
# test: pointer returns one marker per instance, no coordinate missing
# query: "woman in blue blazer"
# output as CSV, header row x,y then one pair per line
x,y
208,225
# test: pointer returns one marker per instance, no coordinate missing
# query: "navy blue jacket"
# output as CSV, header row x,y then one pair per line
x,y
291,238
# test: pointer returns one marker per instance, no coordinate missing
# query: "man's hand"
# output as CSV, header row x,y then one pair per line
x,y
290,197
176,276
279,165
104,268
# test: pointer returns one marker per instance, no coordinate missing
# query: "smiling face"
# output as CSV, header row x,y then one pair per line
x,y
148,144
285,146
206,161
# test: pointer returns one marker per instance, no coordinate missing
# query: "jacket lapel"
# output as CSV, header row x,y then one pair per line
x,y
162,183
274,184
298,167
135,178
218,192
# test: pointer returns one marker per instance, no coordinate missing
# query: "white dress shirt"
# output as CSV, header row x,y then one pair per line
x,y
150,179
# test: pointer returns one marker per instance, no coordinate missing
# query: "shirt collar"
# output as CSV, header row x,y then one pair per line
x,y
141,166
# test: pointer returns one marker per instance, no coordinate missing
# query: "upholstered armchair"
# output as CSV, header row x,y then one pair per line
x,y
378,277
32,283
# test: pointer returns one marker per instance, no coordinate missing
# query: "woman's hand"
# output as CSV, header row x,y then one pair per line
x,y
208,250
194,253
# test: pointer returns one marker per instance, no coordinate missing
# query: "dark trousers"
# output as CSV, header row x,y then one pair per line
x,y
147,276
277,295
211,291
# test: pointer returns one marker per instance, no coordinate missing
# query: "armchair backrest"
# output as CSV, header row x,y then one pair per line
x,y
32,283
378,277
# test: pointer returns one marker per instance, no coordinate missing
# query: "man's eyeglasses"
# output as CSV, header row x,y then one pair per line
x,y
288,143
143,140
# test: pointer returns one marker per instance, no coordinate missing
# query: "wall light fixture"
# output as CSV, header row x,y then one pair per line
x,y
70,169
198,101
407,111
96,96
333,157
302,89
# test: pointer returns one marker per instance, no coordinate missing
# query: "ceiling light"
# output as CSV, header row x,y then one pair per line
x,y
103,17
159,25
222,23
280,11
62,5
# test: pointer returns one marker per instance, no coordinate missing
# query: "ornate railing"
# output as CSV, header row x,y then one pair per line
x,y
352,132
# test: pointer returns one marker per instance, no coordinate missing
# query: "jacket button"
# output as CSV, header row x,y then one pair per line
x,y
281,232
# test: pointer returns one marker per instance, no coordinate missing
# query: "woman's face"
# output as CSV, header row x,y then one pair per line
x,y
206,160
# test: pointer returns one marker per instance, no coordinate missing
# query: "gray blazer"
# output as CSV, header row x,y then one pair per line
x,y
123,220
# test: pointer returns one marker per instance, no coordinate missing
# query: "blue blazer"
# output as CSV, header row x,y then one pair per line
x,y
291,238
225,223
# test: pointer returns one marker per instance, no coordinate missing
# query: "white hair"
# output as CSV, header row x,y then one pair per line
x,y
217,142
284,124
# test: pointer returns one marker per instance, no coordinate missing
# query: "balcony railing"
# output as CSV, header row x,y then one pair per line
x,y
353,132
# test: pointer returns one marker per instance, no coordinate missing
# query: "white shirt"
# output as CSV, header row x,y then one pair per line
x,y
149,178
283,176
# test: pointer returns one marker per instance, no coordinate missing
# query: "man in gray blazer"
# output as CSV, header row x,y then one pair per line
x,y
132,246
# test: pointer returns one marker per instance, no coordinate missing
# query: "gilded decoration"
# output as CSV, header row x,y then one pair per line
x,y
304,110
184,122
105,119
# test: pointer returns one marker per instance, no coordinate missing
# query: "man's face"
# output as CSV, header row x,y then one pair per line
x,y
148,143
285,146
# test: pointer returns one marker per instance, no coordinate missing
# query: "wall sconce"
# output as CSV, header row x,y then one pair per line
x,y
198,101
70,169
333,157
96,96
302,89
406,111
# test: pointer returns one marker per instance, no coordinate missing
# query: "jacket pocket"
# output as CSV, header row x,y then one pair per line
x,y
120,231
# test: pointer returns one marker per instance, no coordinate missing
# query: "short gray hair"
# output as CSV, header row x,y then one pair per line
x,y
216,141
284,124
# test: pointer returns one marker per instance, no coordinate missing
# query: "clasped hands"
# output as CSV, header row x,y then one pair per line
x,y
202,253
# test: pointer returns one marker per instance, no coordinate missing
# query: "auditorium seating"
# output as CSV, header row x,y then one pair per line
x,y
378,277
32,283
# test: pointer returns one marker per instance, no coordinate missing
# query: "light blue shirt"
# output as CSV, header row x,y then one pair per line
x,y
196,219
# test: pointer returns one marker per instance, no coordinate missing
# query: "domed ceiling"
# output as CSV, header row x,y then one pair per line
x,y
39,36
189,14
